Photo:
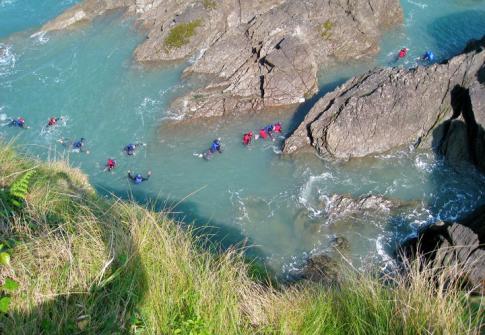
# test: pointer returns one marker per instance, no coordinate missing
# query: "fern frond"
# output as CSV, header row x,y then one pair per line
x,y
19,189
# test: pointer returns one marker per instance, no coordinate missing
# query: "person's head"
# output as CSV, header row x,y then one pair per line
x,y
130,147
138,179
82,140
250,133
21,120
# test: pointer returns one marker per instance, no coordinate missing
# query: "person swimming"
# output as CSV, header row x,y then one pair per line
x,y
77,146
428,56
277,127
216,146
18,123
53,121
130,149
247,138
402,53
138,178
111,164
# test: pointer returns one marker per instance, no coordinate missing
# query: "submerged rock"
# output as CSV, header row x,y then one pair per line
x,y
261,54
453,243
341,205
388,108
326,267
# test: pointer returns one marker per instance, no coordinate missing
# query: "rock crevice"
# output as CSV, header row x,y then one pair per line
x,y
286,41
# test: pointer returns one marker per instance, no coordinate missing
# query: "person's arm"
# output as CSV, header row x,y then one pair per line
x,y
131,176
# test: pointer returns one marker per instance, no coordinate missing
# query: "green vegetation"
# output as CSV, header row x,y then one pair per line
x,y
326,30
180,34
86,265
209,4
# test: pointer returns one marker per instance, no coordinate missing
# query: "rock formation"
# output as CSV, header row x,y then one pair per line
x,y
388,108
259,54
449,243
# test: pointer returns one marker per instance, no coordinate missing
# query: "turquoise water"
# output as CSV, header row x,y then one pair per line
x,y
252,196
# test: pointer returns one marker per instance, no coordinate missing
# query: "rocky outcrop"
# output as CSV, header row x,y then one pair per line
x,y
453,243
260,54
326,267
393,107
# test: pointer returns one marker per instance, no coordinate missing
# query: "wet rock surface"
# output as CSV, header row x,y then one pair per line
x,y
260,54
388,108
453,243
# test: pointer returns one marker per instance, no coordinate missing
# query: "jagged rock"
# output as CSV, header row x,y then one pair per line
x,y
389,108
339,205
321,268
451,243
325,267
261,54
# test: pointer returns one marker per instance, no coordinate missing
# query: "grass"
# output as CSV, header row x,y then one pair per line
x,y
326,30
209,4
87,265
180,34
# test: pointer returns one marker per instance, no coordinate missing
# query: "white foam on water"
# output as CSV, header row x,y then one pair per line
x,y
418,4
40,37
7,59
307,189
5,3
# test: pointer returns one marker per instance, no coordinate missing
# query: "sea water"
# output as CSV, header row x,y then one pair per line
x,y
276,207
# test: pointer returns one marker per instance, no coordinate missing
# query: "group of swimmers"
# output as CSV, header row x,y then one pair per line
x,y
130,149
264,133
428,55
80,146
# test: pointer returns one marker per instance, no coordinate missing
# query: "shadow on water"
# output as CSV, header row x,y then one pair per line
x,y
215,236
305,107
451,33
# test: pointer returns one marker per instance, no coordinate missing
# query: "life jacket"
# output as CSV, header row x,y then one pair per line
x,y
111,163
403,53
77,144
52,121
138,179
246,138
20,121
277,128
263,134
269,128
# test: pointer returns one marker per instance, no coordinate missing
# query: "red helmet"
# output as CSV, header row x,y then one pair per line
x,y
21,119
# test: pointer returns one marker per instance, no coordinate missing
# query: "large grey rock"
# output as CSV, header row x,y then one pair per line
x,y
259,54
459,244
388,108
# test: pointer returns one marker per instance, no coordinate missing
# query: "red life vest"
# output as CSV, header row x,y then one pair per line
x,y
403,53
52,121
277,128
263,134
111,163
